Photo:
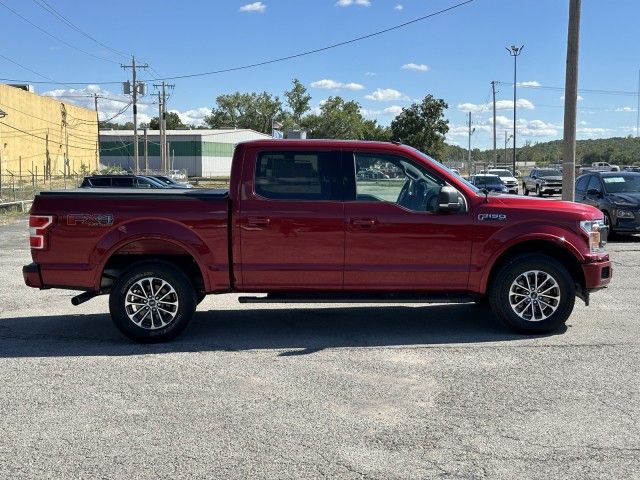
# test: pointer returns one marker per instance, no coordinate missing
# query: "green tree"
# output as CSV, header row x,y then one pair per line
x,y
173,122
255,111
423,126
298,101
337,119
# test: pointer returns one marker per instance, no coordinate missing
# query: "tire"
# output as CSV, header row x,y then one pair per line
x,y
508,290
148,320
524,189
607,221
538,191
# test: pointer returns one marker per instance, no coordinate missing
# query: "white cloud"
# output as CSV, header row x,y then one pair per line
x,y
386,95
347,3
194,116
625,109
591,132
329,84
398,7
370,74
579,98
417,67
109,103
393,110
521,103
254,7
530,83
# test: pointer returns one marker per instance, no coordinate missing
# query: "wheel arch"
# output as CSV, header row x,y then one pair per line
x,y
540,246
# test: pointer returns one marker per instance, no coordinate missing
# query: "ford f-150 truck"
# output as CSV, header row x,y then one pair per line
x,y
300,224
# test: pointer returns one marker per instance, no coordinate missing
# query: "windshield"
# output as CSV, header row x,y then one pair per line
x,y
501,173
488,180
458,176
622,184
549,173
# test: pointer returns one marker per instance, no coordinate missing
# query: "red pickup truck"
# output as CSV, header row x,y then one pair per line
x,y
318,221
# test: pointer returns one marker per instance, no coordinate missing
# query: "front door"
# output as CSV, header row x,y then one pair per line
x,y
291,221
396,240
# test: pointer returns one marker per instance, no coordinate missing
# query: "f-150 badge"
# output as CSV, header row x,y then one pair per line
x,y
492,216
90,219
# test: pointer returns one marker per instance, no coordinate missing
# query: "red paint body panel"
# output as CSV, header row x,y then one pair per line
x,y
286,245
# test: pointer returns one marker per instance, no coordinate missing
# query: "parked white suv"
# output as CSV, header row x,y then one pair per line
x,y
507,178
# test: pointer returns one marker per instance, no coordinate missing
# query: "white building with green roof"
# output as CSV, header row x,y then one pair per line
x,y
202,153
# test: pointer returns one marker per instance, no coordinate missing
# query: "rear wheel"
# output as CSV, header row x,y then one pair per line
x,y
152,302
533,294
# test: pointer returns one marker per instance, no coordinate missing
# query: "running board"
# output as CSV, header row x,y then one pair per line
x,y
360,298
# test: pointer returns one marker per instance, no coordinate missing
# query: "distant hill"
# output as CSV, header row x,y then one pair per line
x,y
616,150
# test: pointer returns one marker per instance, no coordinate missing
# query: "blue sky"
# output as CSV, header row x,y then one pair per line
x,y
453,56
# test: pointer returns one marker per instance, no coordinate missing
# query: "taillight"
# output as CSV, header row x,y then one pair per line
x,y
38,225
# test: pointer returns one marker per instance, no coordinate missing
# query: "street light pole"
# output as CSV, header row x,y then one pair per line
x,y
506,140
469,148
514,52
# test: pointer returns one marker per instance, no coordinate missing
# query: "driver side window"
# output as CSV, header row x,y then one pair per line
x,y
389,178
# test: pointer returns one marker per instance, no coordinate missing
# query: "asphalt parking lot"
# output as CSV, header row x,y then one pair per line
x,y
251,391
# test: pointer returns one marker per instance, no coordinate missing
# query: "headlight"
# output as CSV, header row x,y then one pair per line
x,y
596,232
625,214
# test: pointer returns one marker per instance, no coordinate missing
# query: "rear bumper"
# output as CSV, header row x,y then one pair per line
x,y
32,276
596,275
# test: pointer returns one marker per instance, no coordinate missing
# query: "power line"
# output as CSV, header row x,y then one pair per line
x,y
274,60
581,90
30,70
54,37
44,5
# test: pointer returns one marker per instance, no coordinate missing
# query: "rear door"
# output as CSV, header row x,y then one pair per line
x,y
396,240
291,220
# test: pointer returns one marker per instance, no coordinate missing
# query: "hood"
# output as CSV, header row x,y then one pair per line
x,y
581,210
626,197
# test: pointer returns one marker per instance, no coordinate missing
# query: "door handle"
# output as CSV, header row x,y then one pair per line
x,y
258,222
364,222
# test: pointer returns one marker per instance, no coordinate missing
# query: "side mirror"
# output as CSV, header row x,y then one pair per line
x,y
594,192
449,200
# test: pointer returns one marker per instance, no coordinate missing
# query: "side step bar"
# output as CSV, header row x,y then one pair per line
x,y
360,298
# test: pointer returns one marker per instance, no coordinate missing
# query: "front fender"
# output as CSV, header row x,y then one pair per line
x,y
485,256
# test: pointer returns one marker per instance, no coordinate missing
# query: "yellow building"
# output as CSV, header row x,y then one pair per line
x,y
39,133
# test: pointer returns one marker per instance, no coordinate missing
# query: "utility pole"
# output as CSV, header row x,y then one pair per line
x,y
146,151
95,101
469,148
571,103
162,121
495,150
638,108
135,89
514,52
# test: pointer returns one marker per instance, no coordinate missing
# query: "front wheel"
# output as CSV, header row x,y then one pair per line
x,y
538,191
533,294
524,189
152,302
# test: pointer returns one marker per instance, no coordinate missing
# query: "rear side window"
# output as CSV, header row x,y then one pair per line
x,y
100,181
297,175
122,182
594,184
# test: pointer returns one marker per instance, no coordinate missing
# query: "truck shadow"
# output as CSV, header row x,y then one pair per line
x,y
292,331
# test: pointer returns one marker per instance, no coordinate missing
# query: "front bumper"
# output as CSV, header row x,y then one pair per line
x,y
597,275
551,188
32,276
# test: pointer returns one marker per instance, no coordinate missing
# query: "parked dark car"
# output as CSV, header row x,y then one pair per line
x,y
170,182
493,183
617,194
120,181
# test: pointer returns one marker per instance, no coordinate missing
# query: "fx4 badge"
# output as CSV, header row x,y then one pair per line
x,y
492,216
90,219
